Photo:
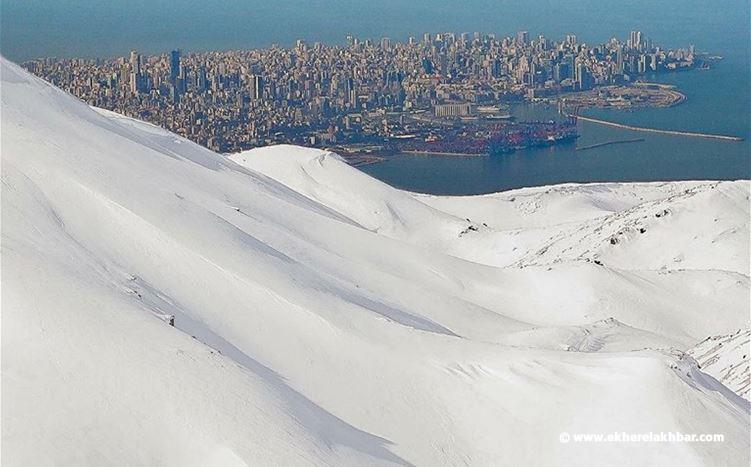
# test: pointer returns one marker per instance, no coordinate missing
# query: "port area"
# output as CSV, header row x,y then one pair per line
x,y
475,136
492,137
632,96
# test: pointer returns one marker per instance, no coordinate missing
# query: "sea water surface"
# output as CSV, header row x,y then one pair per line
x,y
718,99
715,104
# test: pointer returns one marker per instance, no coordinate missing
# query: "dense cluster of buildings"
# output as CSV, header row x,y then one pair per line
x,y
319,94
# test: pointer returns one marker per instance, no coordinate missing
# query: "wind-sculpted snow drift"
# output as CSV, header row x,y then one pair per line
x,y
322,317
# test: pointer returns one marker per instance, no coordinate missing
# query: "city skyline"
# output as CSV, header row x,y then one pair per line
x,y
46,28
320,94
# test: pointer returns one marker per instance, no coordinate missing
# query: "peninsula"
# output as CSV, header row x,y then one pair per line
x,y
443,93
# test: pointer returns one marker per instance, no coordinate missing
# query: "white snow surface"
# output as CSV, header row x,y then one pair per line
x,y
726,358
325,318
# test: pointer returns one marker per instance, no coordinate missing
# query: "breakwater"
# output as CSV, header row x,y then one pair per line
x,y
609,143
656,130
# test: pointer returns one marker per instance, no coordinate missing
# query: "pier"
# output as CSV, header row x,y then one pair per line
x,y
656,130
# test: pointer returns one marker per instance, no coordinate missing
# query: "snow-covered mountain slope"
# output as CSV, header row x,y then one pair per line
x,y
322,317
612,223
726,358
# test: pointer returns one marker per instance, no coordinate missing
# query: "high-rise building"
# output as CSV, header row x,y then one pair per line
x,y
642,67
443,64
351,92
522,37
561,71
256,87
495,68
635,40
133,82
542,42
532,74
136,77
174,94
174,65
201,80
582,75
135,62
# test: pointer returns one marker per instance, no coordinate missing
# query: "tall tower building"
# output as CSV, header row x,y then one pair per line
x,y
256,87
135,72
135,62
351,89
542,41
642,67
134,82
522,37
495,68
174,65
581,74
532,74
635,40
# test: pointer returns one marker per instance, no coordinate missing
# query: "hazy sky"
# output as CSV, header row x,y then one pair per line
x,y
33,28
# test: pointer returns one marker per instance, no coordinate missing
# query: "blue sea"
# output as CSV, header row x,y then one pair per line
x,y
718,100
